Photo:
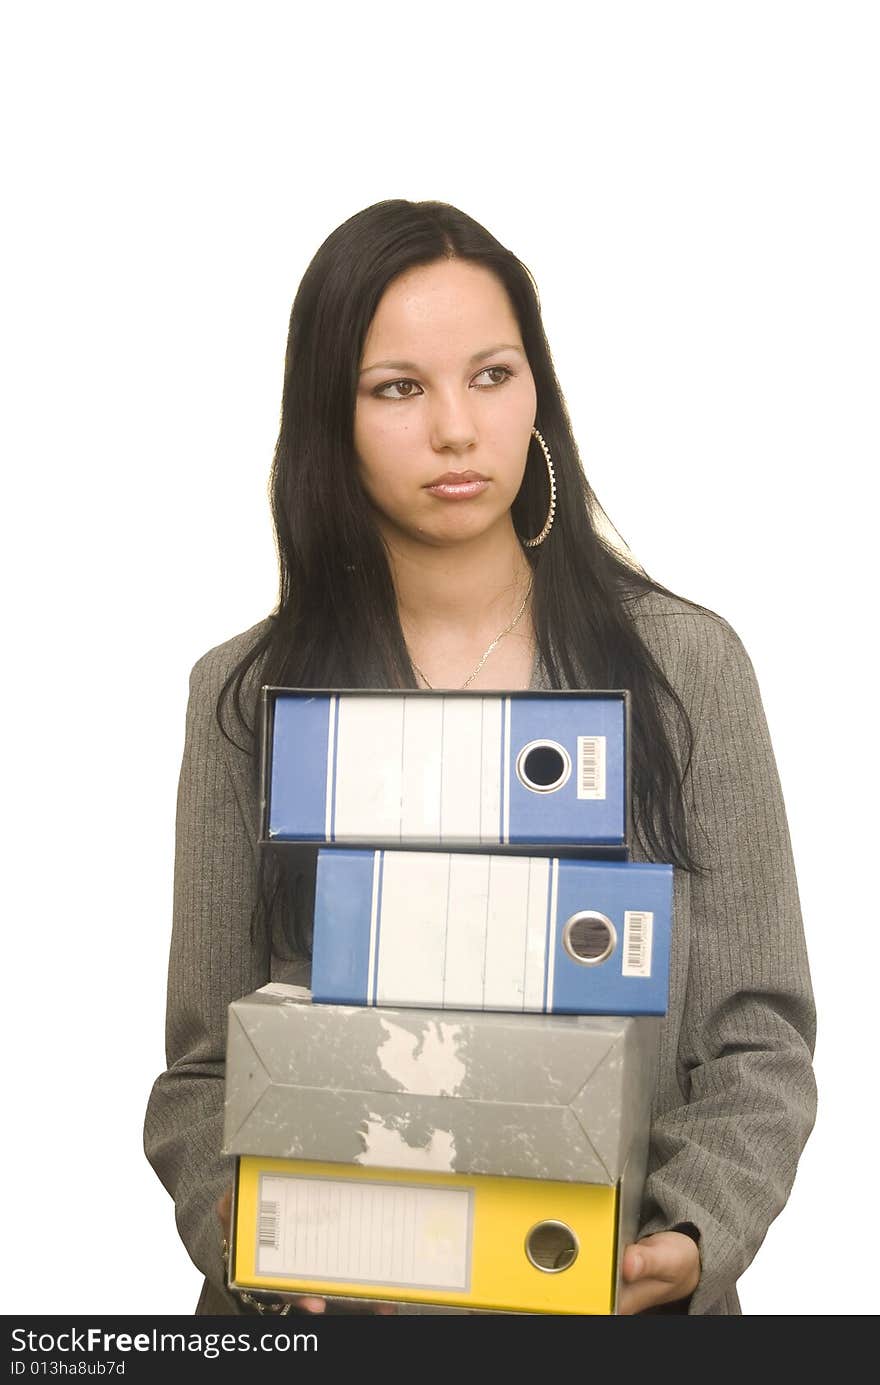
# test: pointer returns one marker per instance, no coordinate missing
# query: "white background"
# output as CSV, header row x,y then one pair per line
x,y
694,187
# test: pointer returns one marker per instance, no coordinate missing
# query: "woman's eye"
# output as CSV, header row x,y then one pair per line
x,y
501,370
405,385
406,388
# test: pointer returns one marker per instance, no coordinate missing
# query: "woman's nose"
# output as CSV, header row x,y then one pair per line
x,y
452,421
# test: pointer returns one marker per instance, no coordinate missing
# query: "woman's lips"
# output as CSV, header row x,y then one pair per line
x,y
457,485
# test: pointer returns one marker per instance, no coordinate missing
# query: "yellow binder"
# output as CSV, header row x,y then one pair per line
x,y
478,1242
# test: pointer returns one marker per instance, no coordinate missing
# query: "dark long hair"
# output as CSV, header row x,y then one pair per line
x,y
337,622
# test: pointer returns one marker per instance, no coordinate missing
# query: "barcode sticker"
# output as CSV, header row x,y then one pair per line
x,y
591,767
638,929
268,1230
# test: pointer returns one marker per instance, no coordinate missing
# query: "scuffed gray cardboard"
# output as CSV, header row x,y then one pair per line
x,y
518,1095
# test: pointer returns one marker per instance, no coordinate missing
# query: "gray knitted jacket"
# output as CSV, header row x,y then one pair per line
x,y
735,1098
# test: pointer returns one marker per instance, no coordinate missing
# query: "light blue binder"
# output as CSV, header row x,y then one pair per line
x,y
475,931
461,770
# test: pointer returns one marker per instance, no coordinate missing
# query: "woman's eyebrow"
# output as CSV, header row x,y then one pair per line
x,y
412,365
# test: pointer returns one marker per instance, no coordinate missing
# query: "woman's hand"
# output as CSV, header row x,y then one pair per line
x,y
309,1303
661,1268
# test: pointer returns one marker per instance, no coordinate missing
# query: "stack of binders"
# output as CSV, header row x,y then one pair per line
x,y
456,1117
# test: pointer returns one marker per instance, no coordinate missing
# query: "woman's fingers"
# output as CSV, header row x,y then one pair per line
x,y
661,1268
310,1304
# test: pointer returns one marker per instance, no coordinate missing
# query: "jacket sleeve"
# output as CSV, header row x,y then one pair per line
x,y
725,1161
212,962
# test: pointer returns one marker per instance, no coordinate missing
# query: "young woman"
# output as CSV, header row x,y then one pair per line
x,y
435,529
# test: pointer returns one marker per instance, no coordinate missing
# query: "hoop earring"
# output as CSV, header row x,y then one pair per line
x,y
551,513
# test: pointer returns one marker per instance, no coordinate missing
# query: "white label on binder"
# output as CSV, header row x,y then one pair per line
x,y
461,769
412,940
467,904
591,767
359,1232
368,782
414,770
420,795
463,930
638,929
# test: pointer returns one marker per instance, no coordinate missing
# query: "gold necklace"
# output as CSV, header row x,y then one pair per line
x,y
506,631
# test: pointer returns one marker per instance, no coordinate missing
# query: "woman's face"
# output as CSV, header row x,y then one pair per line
x,y
445,405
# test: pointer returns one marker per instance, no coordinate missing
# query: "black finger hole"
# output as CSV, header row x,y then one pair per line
x,y
589,937
543,766
551,1246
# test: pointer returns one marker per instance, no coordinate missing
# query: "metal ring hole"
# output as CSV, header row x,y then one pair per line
x,y
543,766
589,937
551,1246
